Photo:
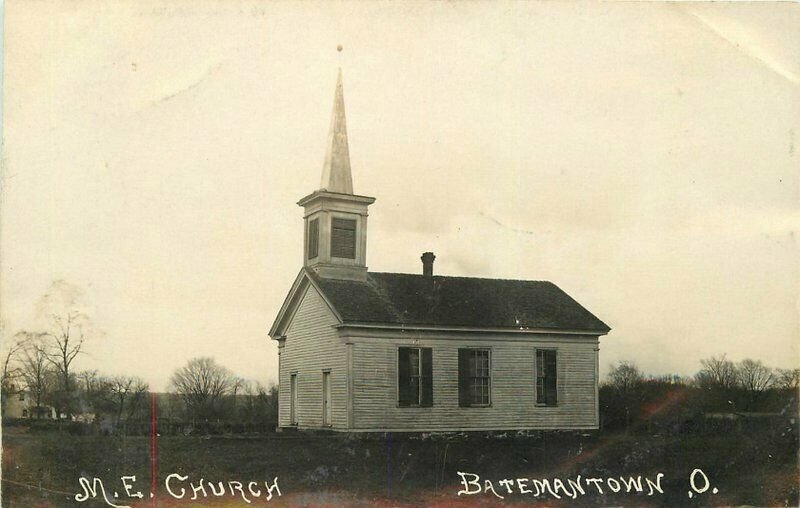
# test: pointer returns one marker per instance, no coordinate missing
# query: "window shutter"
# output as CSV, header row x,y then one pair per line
x,y
343,238
463,378
551,391
403,377
427,377
313,239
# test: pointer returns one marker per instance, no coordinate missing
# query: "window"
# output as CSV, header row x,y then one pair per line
x,y
546,373
22,396
313,239
474,377
343,238
415,377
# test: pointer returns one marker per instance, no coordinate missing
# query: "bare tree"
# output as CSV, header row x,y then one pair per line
x,y
67,341
248,409
754,378
36,369
259,404
238,385
202,384
89,380
12,373
787,379
137,398
717,373
270,401
126,394
94,392
67,327
625,376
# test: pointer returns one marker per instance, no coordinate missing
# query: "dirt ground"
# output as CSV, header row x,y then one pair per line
x,y
45,469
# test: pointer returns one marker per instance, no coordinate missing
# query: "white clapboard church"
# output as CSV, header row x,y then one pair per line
x,y
362,351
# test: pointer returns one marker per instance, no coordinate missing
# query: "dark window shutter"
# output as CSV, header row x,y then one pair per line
x,y
427,377
403,376
313,239
539,377
343,238
463,378
551,391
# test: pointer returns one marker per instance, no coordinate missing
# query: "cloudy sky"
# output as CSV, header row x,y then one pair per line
x,y
644,157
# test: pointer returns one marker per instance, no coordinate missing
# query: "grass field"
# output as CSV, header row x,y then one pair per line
x,y
758,469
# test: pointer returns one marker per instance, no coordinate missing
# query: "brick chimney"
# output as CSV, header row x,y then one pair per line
x,y
427,263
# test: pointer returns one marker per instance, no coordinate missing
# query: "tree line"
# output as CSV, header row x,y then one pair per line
x,y
208,392
723,387
38,365
202,391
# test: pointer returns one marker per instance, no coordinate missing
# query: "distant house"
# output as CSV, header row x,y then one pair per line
x,y
23,405
366,351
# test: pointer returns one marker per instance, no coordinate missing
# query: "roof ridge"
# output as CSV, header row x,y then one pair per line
x,y
462,277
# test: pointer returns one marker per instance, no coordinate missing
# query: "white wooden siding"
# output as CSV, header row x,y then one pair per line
x,y
513,389
312,346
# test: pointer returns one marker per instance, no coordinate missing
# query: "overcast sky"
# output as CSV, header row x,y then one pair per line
x,y
644,157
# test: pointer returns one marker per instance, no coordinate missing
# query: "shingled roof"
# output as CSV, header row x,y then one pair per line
x,y
406,299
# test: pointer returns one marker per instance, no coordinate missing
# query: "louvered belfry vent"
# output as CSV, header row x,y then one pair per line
x,y
313,239
343,238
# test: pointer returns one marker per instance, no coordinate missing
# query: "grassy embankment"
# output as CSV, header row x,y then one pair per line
x,y
753,468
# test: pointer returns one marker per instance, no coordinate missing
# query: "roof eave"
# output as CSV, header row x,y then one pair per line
x,y
472,329
319,194
276,330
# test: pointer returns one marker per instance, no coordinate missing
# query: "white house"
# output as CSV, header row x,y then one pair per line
x,y
22,405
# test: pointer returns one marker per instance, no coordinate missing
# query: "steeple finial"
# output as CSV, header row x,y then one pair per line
x,y
336,175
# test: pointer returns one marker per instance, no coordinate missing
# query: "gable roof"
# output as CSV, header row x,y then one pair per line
x,y
441,301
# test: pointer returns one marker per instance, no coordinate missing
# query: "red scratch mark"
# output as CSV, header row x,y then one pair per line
x,y
153,448
671,398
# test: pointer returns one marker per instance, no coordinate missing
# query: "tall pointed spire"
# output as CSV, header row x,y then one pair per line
x,y
335,241
336,175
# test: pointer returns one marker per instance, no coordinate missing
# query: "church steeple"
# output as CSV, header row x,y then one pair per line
x,y
336,175
335,218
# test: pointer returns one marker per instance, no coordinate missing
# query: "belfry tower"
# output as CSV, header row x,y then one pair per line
x,y
335,218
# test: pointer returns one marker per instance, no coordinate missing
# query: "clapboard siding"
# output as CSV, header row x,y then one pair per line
x,y
312,346
513,405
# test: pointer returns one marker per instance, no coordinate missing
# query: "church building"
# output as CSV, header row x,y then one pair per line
x,y
363,351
